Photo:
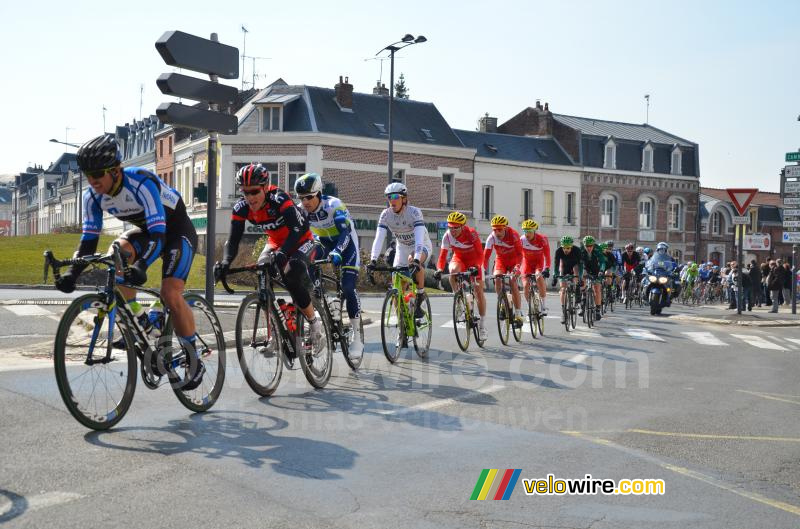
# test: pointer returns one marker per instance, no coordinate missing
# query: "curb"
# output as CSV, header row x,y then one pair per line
x,y
769,323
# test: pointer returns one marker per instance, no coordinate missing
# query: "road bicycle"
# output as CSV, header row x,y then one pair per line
x,y
587,301
97,380
397,315
535,314
505,309
568,307
272,334
333,305
465,317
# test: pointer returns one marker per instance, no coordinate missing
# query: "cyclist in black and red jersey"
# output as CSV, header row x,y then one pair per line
x,y
630,263
289,245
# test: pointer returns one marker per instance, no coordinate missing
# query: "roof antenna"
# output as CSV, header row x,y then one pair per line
x,y
647,118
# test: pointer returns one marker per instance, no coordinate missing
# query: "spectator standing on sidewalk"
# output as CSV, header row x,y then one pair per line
x,y
787,283
747,290
733,288
755,277
775,283
765,290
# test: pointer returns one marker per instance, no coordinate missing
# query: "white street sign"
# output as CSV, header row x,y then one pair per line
x,y
789,223
741,220
792,187
791,236
791,212
792,171
791,201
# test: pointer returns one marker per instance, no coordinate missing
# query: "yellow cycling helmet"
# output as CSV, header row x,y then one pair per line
x,y
499,220
456,218
530,224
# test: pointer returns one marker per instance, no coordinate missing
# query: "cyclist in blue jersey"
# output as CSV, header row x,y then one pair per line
x,y
333,228
162,229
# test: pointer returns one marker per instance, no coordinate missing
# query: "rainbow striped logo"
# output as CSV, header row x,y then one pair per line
x,y
496,484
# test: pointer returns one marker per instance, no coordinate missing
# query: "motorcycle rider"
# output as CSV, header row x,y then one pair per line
x,y
661,261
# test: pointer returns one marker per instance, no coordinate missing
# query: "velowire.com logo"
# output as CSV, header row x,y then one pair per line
x,y
496,484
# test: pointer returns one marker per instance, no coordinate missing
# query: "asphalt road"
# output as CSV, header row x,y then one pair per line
x,y
711,410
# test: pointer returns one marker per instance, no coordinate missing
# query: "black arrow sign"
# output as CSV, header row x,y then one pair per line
x,y
197,89
197,118
198,54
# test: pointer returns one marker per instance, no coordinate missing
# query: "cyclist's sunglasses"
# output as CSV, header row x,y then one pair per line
x,y
567,247
251,192
529,230
393,196
305,197
98,173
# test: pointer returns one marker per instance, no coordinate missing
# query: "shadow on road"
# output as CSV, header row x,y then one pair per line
x,y
244,436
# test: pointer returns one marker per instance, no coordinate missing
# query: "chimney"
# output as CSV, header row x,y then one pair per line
x,y
538,105
380,89
488,124
344,93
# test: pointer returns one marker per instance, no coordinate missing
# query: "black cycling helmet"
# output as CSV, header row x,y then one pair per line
x,y
252,175
100,153
610,245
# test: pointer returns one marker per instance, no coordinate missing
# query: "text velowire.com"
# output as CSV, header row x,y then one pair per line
x,y
591,486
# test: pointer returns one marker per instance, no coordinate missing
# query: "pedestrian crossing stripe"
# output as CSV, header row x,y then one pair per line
x,y
705,338
643,334
758,341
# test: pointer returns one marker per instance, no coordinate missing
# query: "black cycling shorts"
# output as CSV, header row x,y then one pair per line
x,y
177,254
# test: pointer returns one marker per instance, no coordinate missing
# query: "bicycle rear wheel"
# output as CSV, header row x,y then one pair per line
x,y
504,317
316,361
533,311
346,338
259,346
210,349
96,395
588,313
424,328
461,323
392,327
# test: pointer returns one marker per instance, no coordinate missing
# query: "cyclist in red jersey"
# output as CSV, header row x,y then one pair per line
x,y
535,259
467,252
290,243
505,241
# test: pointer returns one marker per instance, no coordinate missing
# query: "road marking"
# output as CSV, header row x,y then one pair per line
x,y
577,359
449,324
757,341
716,436
787,507
31,310
793,340
585,333
772,396
433,404
704,338
643,334
40,501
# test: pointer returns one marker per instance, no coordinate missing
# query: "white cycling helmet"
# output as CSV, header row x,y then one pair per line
x,y
396,187
639,249
662,246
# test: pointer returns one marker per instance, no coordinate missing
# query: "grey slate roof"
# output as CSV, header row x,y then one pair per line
x,y
6,195
409,116
511,147
627,131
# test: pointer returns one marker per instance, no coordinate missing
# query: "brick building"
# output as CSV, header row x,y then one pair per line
x,y
639,184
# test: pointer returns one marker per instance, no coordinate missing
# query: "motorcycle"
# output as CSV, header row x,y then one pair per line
x,y
658,290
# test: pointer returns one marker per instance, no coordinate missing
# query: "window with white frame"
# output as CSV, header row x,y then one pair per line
x,y
677,157
448,185
647,159
647,210
571,217
608,211
548,211
487,202
610,159
527,198
271,118
717,223
675,214
296,170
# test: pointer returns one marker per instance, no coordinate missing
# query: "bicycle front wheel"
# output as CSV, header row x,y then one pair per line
x,y
533,312
316,355
424,328
99,394
504,317
461,323
209,349
259,346
392,327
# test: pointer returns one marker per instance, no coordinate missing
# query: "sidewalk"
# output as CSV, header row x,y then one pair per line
x,y
721,315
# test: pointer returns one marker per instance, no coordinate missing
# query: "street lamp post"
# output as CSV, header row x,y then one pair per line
x,y
79,199
406,41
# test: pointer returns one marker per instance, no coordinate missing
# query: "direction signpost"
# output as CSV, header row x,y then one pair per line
x,y
790,191
210,57
741,198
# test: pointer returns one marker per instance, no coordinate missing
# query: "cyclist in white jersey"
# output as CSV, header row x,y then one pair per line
x,y
413,243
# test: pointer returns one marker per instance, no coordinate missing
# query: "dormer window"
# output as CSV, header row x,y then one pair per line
x,y
647,158
271,119
381,127
426,134
677,159
610,159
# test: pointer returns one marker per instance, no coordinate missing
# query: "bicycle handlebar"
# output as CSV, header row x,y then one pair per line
x,y
117,258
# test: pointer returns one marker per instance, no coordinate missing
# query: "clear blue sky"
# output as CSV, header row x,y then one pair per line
x,y
722,74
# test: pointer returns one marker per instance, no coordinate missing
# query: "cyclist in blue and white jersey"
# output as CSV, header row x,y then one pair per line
x,y
333,228
162,229
413,242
